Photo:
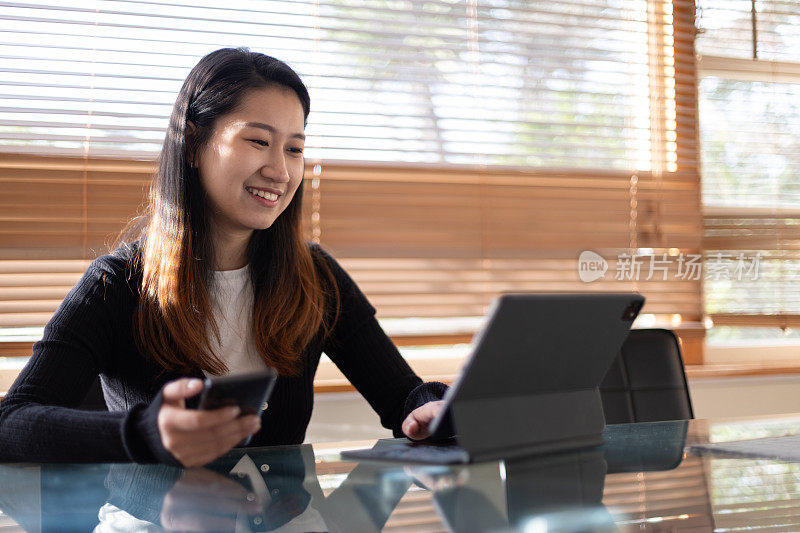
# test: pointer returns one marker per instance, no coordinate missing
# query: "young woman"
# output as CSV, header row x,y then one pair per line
x,y
217,280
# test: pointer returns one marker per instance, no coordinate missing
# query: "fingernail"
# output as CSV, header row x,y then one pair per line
x,y
234,411
194,383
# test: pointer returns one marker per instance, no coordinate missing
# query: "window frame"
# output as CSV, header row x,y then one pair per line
x,y
746,352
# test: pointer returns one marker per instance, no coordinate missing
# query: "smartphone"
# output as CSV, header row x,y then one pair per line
x,y
249,391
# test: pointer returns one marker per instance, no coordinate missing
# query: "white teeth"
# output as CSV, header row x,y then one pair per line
x,y
262,194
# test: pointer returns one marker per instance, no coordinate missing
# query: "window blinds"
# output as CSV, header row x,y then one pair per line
x,y
456,149
750,121
562,84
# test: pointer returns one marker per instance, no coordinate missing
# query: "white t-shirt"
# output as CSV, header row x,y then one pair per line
x,y
231,294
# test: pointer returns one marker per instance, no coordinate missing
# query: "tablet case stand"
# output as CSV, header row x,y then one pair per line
x,y
532,383
527,425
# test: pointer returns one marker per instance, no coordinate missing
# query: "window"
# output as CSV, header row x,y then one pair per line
x,y
505,82
456,149
750,125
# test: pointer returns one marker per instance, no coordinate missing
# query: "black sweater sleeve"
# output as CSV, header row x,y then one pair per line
x,y
39,420
374,366
367,357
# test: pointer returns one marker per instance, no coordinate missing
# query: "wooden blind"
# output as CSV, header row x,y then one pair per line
x,y
460,150
421,242
56,214
549,84
442,241
436,242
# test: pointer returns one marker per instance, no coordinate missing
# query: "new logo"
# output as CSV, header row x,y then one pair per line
x,y
591,266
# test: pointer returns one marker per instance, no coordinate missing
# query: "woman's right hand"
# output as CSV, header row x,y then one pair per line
x,y
196,437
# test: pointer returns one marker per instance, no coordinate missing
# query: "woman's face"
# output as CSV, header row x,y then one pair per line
x,y
252,165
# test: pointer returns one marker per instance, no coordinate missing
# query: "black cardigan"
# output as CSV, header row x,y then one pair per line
x,y
90,335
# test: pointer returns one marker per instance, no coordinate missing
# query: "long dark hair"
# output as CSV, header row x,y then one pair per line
x,y
293,288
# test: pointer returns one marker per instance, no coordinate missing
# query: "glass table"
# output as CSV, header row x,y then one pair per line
x,y
643,477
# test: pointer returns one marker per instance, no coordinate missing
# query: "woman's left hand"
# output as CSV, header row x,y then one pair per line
x,y
415,426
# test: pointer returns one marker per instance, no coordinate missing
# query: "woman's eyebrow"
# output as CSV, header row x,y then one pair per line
x,y
272,129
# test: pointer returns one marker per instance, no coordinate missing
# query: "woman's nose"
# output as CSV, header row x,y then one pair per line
x,y
275,168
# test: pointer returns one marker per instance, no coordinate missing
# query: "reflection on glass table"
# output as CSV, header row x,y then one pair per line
x,y
641,478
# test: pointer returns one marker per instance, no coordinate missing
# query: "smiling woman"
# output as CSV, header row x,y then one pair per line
x,y
251,168
216,278
200,209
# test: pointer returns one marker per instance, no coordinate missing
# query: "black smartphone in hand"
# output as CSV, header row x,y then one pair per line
x,y
248,391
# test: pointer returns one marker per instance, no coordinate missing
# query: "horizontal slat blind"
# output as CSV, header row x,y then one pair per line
x,y
750,121
559,84
444,241
31,290
66,208
425,242
56,213
727,29
420,242
773,234
456,149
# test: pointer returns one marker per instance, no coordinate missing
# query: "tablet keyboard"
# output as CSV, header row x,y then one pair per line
x,y
413,453
785,448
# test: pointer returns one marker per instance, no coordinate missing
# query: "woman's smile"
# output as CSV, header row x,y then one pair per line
x,y
263,197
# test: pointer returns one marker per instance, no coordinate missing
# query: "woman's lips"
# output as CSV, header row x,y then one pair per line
x,y
271,199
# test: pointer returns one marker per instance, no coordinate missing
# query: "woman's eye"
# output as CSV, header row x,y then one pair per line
x,y
296,150
259,142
